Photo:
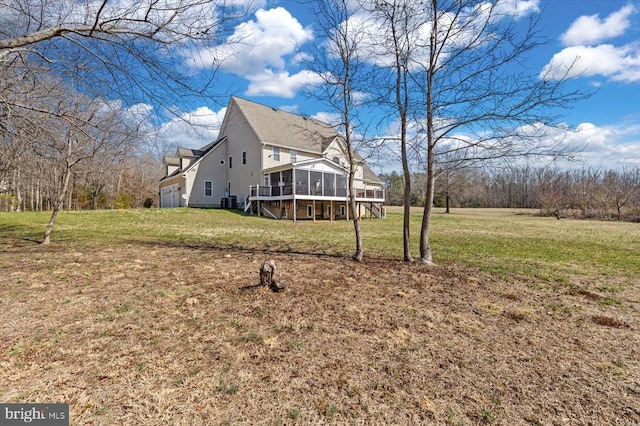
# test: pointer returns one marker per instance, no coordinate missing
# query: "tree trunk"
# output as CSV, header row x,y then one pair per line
x,y
357,256
66,177
57,207
425,249
406,223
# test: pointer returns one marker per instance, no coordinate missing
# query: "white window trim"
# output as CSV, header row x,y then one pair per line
x,y
276,153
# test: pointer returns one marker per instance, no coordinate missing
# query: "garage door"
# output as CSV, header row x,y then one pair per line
x,y
169,196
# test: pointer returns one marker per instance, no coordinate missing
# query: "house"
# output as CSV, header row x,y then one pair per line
x,y
270,162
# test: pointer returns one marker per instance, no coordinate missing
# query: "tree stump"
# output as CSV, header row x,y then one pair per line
x,y
267,276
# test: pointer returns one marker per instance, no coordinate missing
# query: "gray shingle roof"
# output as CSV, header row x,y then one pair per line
x,y
277,127
188,152
171,161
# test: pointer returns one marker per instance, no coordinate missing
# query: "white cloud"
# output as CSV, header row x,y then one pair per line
x,y
605,147
584,57
256,44
331,118
281,84
519,8
591,29
617,63
192,129
608,147
261,50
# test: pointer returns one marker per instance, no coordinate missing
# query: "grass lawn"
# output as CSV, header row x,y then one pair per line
x,y
499,240
147,317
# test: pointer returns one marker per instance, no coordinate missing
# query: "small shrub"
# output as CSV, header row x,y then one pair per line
x,y
227,389
148,203
611,301
487,416
295,413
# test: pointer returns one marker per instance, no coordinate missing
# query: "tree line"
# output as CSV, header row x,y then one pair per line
x,y
587,193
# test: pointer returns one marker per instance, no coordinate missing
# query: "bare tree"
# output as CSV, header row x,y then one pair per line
x,y
341,70
481,105
397,45
123,47
73,129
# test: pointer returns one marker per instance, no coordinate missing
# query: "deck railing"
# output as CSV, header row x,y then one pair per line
x,y
300,189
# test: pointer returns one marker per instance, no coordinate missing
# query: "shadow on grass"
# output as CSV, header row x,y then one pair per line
x,y
238,248
20,233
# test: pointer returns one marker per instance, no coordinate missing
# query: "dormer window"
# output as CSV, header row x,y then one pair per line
x,y
336,160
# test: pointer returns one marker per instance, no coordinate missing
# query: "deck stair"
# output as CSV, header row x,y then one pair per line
x,y
267,212
376,210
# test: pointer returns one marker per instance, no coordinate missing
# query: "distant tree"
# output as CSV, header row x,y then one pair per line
x,y
620,189
394,184
554,193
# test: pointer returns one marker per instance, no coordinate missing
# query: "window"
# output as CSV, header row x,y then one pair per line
x,y
294,156
336,160
276,153
208,188
244,157
342,210
230,162
309,210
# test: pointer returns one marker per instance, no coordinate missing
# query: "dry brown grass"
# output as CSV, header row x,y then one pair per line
x,y
145,334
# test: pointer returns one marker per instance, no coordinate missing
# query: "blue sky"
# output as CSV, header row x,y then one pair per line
x,y
604,36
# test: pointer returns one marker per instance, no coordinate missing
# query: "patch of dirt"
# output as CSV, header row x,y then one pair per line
x,y
174,335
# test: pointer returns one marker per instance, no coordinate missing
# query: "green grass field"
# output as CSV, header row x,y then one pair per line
x,y
498,240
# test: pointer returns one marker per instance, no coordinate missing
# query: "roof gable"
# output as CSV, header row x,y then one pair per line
x,y
368,174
